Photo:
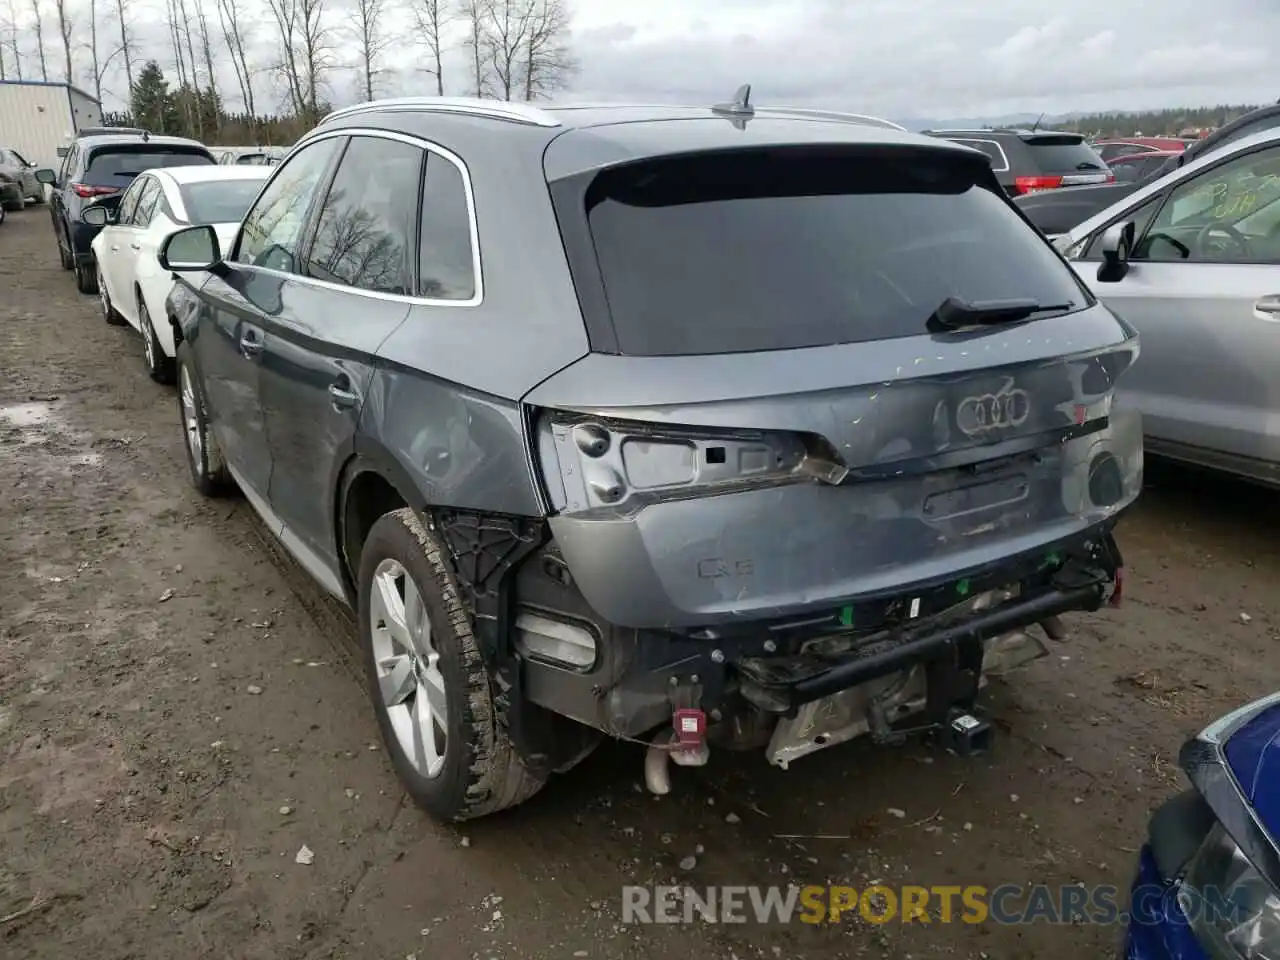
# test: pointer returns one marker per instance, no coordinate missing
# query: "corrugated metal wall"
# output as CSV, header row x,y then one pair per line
x,y
36,119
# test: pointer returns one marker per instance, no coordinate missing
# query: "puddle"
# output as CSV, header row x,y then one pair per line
x,y
38,423
27,414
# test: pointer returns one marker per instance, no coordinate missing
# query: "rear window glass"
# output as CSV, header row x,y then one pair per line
x,y
775,250
1064,155
993,150
125,164
219,201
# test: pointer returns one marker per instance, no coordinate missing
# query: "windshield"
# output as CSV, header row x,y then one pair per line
x,y
115,165
775,250
1058,154
219,201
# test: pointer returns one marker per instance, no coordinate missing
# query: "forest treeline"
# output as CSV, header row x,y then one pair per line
x,y
1172,121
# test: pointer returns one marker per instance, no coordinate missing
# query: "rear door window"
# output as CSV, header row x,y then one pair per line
x,y
366,228
775,250
1057,154
116,166
993,150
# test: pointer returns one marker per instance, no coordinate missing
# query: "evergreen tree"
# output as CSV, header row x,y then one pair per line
x,y
153,105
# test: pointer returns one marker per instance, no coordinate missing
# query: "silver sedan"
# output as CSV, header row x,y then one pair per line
x,y
1192,261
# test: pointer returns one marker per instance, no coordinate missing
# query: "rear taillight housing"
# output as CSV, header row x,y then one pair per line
x,y
1032,184
88,191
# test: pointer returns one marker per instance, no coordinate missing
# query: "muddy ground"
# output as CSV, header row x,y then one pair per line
x,y
180,713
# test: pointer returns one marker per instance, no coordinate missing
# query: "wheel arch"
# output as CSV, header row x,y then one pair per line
x,y
368,483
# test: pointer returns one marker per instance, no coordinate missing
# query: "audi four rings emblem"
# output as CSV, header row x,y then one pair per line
x,y
1007,407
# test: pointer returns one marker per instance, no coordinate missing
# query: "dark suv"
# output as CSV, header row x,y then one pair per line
x,y
701,426
100,166
1028,161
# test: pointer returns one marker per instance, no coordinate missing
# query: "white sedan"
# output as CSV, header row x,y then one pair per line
x,y
131,284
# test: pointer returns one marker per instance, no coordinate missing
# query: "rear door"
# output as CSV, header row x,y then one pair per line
x,y
231,334
1203,290
125,244
357,278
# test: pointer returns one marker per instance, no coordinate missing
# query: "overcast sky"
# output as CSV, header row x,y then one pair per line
x,y
896,58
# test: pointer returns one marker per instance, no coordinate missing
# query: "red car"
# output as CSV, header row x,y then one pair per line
x,y
1112,148
1132,167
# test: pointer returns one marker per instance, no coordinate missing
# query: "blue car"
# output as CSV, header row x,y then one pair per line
x,y
1208,882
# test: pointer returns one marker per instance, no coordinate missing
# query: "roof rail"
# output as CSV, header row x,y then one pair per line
x,y
836,115
515,112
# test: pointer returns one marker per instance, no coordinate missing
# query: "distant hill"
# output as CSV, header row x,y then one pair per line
x,y
1118,123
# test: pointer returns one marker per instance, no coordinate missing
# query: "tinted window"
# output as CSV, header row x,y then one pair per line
x,y
994,152
1224,215
147,202
1062,154
273,227
365,231
446,269
778,250
218,201
109,166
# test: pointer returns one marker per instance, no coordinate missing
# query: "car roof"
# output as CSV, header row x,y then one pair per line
x,y
1004,131
1261,138
567,139
115,139
203,173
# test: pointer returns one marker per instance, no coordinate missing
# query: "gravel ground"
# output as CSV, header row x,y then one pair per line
x,y
179,714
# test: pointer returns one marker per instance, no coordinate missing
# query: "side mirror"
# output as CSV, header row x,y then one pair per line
x,y
47,176
63,151
1116,245
189,250
98,216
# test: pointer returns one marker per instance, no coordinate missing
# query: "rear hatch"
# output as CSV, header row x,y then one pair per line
x,y
112,167
1061,160
769,420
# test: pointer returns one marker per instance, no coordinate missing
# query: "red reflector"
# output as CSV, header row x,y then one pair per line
x,y
1032,184
1117,595
86,191
1080,414
690,725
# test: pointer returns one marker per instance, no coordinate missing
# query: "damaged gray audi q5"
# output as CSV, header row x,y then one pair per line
x,y
722,427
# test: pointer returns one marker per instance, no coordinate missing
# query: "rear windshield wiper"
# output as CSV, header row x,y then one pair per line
x,y
956,314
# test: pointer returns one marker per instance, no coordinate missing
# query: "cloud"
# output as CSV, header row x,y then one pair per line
x,y
896,58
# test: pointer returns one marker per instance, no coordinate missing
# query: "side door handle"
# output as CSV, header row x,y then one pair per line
x,y
1269,306
341,395
135,246
250,344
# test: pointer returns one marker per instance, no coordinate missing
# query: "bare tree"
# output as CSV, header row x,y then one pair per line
x,y
65,29
474,12
366,25
432,18
39,15
230,19
180,64
193,90
317,54
208,62
10,41
285,13
505,27
126,46
548,61
99,63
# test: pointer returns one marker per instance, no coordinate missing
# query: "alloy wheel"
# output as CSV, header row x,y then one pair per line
x,y
408,663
